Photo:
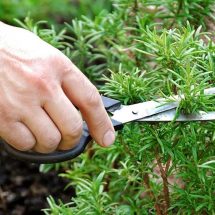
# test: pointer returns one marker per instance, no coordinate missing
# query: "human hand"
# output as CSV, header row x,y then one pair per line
x,y
39,87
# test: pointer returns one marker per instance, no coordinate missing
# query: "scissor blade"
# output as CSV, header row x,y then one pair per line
x,y
169,116
209,91
129,113
156,111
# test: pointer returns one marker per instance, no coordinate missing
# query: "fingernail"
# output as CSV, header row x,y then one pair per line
x,y
109,138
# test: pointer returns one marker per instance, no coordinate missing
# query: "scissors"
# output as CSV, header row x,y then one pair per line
x,y
149,111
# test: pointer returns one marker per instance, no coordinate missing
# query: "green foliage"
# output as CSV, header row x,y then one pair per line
x,y
56,11
179,58
128,87
91,200
132,180
193,10
169,13
58,209
144,50
50,35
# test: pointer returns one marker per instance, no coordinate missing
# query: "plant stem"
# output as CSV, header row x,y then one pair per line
x,y
136,9
180,5
135,6
165,182
151,194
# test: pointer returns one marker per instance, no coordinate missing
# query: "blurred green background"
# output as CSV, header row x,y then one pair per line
x,y
54,11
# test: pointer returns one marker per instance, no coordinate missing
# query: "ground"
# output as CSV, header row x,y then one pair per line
x,y
23,189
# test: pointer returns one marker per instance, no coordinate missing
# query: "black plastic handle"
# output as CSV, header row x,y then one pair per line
x,y
60,156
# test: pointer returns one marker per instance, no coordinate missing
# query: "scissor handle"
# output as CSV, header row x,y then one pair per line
x,y
64,155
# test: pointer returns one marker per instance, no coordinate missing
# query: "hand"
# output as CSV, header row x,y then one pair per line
x,y
39,87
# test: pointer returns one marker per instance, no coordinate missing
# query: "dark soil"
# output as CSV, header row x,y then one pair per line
x,y
23,189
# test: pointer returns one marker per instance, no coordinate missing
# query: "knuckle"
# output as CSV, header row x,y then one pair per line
x,y
93,97
74,132
5,116
40,82
44,83
70,69
19,138
23,145
52,141
61,63
7,112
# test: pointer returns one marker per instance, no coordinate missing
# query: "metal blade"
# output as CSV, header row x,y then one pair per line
x,y
159,110
169,116
129,113
209,91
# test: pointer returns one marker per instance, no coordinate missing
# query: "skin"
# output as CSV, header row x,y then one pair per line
x,y
39,87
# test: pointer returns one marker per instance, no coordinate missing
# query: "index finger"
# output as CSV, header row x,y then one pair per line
x,y
85,96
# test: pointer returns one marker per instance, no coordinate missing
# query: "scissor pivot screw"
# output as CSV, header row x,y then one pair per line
x,y
135,111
